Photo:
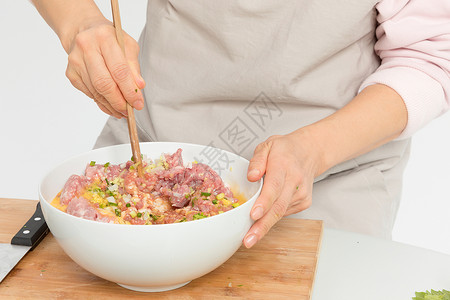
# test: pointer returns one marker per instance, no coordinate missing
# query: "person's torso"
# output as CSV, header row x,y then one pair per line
x,y
232,73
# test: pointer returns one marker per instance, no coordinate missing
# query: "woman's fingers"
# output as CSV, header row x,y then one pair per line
x,y
77,82
275,212
258,163
301,200
290,168
274,199
271,190
101,101
103,83
98,68
122,75
132,56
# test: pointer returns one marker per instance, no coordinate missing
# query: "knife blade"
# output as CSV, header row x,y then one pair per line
x,y
26,239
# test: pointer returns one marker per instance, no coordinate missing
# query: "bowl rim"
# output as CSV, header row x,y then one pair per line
x,y
227,213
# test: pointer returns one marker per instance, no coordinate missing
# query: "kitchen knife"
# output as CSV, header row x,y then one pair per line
x,y
25,240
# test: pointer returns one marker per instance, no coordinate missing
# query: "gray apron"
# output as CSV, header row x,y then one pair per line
x,y
229,74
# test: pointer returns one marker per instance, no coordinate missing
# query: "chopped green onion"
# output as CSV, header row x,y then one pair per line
x,y
107,182
214,201
118,212
182,220
135,90
186,196
199,216
128,205
154,217
432,295
205,194
139,215
92,163
106,165
112,203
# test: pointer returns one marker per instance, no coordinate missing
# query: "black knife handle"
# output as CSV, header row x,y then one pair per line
x,y
33,231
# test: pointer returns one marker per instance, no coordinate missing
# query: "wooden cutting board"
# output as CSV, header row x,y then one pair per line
x,y
281,266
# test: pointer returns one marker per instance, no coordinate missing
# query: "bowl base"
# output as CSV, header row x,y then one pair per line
x,y
153,289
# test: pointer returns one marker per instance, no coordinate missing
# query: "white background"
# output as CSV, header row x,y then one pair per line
x,y
44,120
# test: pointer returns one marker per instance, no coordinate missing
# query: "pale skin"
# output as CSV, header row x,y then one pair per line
x,y
97,67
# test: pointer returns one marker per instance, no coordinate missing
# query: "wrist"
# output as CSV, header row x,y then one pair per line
x,y
68,33
311,139
374,117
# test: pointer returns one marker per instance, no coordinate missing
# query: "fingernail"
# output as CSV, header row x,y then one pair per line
x,y
253,173
250,241
138,104
257,213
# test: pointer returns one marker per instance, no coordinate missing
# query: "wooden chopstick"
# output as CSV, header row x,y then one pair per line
x,y
134,139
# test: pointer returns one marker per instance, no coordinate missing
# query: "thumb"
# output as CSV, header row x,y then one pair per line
x,y
132,56
257,166
136,70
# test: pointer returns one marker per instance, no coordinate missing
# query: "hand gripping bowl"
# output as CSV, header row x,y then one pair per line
x,y
150,258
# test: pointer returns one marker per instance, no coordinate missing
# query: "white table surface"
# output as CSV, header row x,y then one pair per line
x,y
354,266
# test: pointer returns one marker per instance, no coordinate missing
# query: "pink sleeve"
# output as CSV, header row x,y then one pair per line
x,y
414,47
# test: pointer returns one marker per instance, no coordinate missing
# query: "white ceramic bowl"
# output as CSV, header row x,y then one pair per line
x,y
150,258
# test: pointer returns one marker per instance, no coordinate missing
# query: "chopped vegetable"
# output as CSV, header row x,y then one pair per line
x,y
198,216
92,163
128,205
220,196
205,194
154,217
106,165
214,201
118,212
139,215
133,214
432,295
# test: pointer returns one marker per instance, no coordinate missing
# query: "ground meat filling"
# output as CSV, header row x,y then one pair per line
x,y
168,192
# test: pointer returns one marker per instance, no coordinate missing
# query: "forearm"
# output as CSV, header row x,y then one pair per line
x,y
374,117
67,18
